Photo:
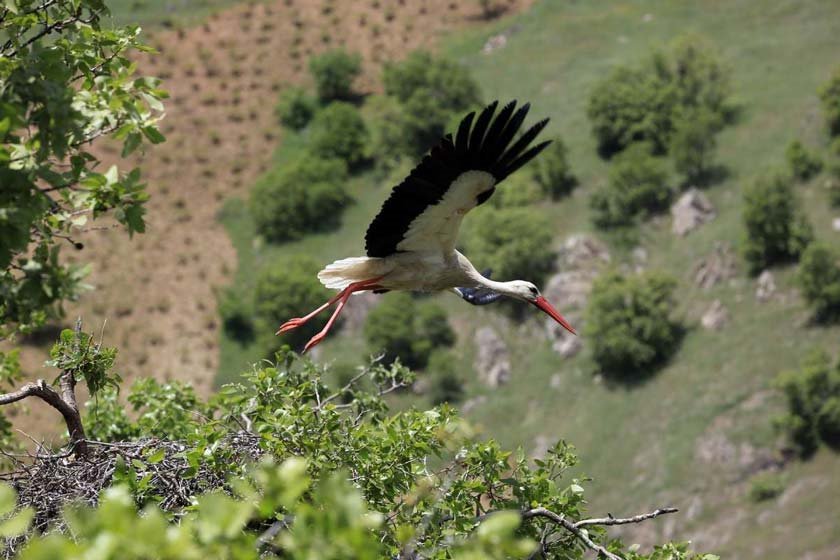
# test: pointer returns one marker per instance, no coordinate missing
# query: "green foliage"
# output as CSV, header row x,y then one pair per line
x,y
285,289
76,353
430,91
766,486
339,132
237,314
514,242
334,72
693,143
13,523
306,196
552,171
295,108
446,385
407,329
519,190
629,323
803,163
643,103
65,82
638,186
813,398
830,96
819,280
776,229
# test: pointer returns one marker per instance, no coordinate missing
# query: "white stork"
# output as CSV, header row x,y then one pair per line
x,y
410,244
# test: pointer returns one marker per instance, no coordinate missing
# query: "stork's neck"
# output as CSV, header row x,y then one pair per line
x,y
504,288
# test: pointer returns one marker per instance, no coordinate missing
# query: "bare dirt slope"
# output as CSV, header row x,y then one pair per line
x,y
156,292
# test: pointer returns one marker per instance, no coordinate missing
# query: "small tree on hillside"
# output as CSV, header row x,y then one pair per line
x,y
334,73
638,186
629,323
693,144
830,96
408,329
339,132
803,163
819,280
285,289
514,242
552,171
309,195
776,229
295,108
431,91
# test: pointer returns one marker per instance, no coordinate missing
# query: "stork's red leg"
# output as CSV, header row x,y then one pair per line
x,y
345,295
292,324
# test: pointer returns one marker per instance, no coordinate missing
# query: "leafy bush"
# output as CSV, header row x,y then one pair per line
x,y
514,242
766,486
307,196
813,399
339,132
285,289
408,329
641,103
629,323
237,314
637,187
431,92
295,108
830,96
519,190
819,280
552,171
334,73
776,229
693,144
803,163
446,385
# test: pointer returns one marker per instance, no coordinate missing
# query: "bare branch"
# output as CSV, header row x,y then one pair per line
x,y
625,520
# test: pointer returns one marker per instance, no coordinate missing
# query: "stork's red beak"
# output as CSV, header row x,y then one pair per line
x,y
549,310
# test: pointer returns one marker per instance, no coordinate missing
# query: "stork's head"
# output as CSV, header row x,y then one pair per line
x,y
526,291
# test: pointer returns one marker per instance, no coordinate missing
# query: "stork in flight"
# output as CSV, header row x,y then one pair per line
x,y
410,244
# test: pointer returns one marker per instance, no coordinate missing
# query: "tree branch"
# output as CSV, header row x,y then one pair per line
x,y
577,530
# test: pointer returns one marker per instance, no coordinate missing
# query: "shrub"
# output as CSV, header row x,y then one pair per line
x,y
237,315
514,242
766,486
819,280
405,328
339,132
830,96
693,144
295,108
431,91
334,73
446,385
813,399
637,186
642,103
288,288
518,190
552,171
803,163
629,324
776,229
307,196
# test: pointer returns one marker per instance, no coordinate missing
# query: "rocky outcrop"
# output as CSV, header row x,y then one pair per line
x,y
716,316
492,360
716,267
692,210
765,286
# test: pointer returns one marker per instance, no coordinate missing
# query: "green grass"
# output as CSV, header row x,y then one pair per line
x,y
640,444
164,12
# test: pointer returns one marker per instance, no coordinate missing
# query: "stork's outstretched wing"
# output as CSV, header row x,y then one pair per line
x,y
424,212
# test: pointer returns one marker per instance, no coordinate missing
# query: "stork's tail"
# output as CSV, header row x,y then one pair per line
x,y
344,272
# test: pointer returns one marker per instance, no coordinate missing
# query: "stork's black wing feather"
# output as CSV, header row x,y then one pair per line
x,y
479,296
483,146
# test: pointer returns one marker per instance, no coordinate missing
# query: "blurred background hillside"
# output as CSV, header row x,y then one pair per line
x,y
686,220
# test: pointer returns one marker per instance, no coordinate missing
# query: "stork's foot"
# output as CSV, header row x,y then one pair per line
x,y
314,341
291,324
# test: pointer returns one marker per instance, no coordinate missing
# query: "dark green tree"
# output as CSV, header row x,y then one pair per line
x,y
408,329
339,132
776,229
637,187
334,73
819,280
446,386
290,201
285,289
693,144
295,108
630,324
552,171
803,163
830,97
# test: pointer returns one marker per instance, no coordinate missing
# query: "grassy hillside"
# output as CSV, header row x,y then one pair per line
x,y
690,435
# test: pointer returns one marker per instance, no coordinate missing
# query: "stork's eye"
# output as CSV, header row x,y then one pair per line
x,y
534,290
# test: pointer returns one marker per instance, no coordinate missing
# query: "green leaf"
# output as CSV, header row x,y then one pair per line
x,y
17,524
153,134
157,456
